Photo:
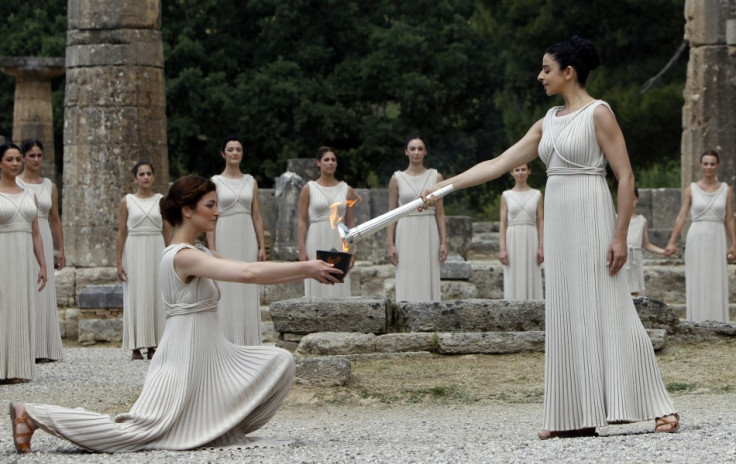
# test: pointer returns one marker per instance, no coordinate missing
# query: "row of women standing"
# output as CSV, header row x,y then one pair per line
x,y
29,228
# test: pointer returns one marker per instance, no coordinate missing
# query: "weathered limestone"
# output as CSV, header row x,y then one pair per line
x,y
100,296
353,314
286,243
490,342
32,112
459,234
322,371
306,168
708,118
96,330
471,316
455,268
115,115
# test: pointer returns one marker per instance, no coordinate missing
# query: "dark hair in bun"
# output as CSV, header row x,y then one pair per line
x,y
577,52
7,146
186,191
415,136
323,150
710,153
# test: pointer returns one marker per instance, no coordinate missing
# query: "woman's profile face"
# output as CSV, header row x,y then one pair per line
x,y
551,76
416,151
233,152
205,214
709,165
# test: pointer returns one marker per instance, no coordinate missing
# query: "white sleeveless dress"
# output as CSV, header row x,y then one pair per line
x,y
46,329
634,267
417,242
18,287
143,311
599,362
321,236
199,390
239,310
522,277
706,273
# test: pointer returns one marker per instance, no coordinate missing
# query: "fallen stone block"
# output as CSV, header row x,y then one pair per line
x,y
458,290
455,268
100,330
324,371
473,315
100,296
351,314
655,314
406,342
334,343
490,342
658,338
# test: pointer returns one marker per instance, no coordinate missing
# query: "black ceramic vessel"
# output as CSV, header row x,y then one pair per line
x,y
339,259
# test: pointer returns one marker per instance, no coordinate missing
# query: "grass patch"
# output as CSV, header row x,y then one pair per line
x,y
673,387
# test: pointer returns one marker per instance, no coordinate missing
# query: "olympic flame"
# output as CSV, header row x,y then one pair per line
x,y
336,218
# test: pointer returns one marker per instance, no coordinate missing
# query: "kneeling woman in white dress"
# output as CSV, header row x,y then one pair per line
x,y
200,389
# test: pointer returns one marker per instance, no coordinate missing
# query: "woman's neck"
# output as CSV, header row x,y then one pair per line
x,y
7,183
31,177
184,234
521,186
327,180
232,171
416,169
144,192
576,98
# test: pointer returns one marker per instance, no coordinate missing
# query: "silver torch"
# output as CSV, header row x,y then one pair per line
x,y
368,228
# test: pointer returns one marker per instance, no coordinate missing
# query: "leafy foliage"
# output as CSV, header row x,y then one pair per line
x,y
291,75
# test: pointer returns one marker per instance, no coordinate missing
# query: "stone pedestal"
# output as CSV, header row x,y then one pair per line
x,y
114,116
32,112
708,118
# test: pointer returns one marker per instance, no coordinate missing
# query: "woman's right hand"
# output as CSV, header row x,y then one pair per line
x,y
670,250
503,257
323,273
393,255
122,275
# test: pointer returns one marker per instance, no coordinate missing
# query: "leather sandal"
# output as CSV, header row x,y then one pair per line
x,y
579,433
664,425
150,352
136,355
24,447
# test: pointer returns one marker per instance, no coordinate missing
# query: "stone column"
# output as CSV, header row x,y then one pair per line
x,y
32,112
114,115
286,243
708,116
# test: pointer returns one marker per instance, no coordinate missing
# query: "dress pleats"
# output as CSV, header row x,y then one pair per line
x,y
417,242
143,313
706,272
18,287
321,235
634,268
239,310
522,277
200,388
46,329
599,365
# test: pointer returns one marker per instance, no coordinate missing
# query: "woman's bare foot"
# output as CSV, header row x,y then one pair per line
x,y
22,426
667,424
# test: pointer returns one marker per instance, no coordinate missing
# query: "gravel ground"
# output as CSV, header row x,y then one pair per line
x,y
104,379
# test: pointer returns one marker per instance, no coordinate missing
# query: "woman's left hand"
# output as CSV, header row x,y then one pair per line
x,y
262,254
731,254
617,253
41,279
60,260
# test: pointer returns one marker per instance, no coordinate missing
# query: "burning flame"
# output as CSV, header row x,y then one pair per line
x,y
335,217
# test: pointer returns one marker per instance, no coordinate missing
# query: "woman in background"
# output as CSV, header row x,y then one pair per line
x,y
520,238
417,244
315,231
637,239
238,235
47,335
710,203
142,236
20,242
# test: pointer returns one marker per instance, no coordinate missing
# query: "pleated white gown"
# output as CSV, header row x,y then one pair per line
x,y
321,235
18,288
200,389
417,242
706,273
599,364
634,267
143,310
522,277
46,329
239,310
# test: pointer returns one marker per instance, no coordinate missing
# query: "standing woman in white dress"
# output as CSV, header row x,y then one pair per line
x,y
22,280
710,204
200,389
521,238
417,244
142,236
47,333
238,235
315,232
637,239
600,367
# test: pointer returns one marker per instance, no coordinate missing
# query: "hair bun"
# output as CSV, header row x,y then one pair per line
x,y
586,51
